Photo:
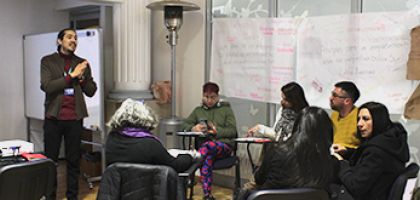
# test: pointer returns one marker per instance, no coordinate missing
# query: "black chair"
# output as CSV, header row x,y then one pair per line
x,y
143,181
27,180
398,187
290,194
229,162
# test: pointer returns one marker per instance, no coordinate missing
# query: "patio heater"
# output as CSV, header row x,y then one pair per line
x,y
173,21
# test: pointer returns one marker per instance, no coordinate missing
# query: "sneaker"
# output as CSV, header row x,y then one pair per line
x,y
209,197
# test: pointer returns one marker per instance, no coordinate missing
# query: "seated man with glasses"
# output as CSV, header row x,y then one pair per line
x,y
344,117
218,121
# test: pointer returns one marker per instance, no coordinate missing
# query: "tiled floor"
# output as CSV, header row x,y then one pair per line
x,y
85,193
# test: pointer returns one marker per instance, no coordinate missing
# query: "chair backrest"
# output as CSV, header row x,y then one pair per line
x,y
290,194
27,180
134,181
397,188
229,161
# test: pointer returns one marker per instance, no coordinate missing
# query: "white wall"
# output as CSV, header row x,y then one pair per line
x,y
18,18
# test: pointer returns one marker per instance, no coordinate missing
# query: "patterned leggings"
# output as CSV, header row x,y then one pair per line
x,y
211,151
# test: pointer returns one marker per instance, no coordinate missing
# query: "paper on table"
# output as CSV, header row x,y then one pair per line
x,y
193,153
252,139
176,152
192,133
246,139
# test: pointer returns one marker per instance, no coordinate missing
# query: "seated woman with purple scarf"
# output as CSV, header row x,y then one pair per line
x,y
130,139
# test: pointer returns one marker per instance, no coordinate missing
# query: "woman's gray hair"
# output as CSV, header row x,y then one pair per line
x,y
133,114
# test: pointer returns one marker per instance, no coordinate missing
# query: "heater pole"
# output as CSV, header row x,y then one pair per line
x,y
173,81
168,127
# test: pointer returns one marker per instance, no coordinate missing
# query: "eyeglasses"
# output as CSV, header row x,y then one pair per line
x,y
335,95
209,98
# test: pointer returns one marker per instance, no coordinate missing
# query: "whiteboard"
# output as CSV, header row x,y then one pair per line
x,y
37,46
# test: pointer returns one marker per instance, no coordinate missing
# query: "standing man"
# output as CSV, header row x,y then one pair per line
x,y
64,79
344,117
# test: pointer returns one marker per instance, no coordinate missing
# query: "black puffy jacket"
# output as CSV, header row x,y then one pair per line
x,y
373,167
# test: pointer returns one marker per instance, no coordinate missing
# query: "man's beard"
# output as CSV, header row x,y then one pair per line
x,y
334,107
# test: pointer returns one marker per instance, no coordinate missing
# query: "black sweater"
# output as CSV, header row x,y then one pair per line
x,y
146,150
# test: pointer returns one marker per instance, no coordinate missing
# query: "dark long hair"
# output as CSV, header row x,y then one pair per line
x,y
307,150
295,95
380,118
61,35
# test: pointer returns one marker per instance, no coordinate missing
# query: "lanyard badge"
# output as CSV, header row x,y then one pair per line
x,y
65,74
69,91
